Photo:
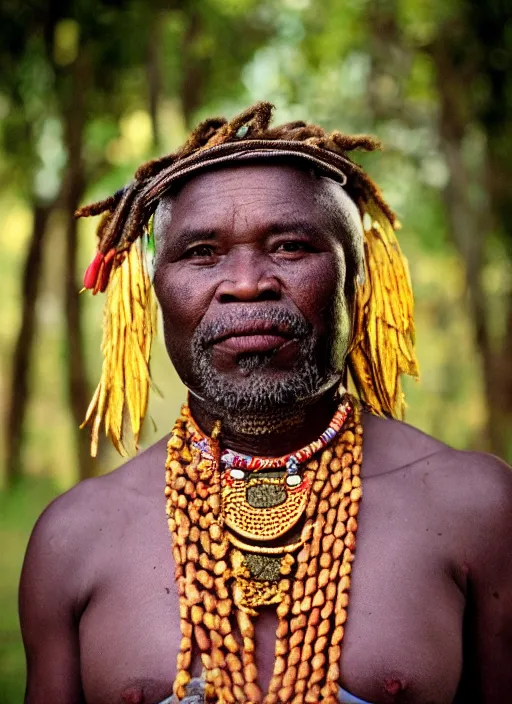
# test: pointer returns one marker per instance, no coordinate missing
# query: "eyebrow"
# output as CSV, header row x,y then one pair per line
x,y
188,236
299,226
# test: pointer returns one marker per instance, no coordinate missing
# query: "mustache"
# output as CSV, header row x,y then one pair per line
x,y
279,318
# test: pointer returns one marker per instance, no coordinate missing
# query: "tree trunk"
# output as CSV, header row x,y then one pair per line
x,y
78,388
471,220
153,73
20,374
490,24
192,69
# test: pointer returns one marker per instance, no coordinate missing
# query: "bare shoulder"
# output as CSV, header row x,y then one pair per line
x,y
463,488
396,444
478,490
82,504
391,444
477,485
67,535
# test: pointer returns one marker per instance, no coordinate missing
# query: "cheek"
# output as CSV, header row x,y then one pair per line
x,y
319,292
323,300
184,295
183,301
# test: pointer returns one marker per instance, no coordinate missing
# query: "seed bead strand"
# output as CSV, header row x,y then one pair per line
x,y
302,456
213,630
194,491
311,671
304,589
251,687
287,625
172,474
351,487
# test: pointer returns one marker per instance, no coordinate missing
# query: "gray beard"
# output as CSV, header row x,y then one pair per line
x,y
258,394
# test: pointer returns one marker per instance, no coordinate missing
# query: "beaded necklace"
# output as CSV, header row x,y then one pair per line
x,y
225,570
292,460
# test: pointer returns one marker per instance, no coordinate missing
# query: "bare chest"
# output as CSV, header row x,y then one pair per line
x,y
403,639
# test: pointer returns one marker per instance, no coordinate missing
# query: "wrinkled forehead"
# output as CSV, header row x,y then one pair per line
x,y
259,192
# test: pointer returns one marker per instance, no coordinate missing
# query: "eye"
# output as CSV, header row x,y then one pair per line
x,y
200,251
293,247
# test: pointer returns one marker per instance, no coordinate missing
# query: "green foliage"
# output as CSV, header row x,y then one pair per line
x,y
143,72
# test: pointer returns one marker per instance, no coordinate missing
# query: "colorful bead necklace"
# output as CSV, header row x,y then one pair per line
x,y
291,461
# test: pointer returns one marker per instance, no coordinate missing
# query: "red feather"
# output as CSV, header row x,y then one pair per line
x,y
98,272
92,271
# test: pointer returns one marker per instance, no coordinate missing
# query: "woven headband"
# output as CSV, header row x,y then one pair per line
x,y
242,151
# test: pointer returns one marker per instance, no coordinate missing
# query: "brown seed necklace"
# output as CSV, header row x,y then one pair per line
x,y
243,540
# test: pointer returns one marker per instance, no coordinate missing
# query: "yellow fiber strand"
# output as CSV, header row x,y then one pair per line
x,y
117,390
129,323
383,342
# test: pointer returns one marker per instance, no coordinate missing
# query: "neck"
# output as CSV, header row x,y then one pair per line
x,y
270,434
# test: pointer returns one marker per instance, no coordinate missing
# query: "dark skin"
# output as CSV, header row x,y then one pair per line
x,y
430,619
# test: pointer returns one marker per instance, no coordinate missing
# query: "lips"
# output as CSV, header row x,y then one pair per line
x,y
252,337
245,344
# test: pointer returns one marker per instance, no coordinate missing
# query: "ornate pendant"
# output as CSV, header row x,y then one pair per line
x,y
263,506
259,579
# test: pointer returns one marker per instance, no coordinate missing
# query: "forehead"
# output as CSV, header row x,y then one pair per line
x,y
249,195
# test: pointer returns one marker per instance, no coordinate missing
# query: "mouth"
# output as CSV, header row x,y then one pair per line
x,y
253,337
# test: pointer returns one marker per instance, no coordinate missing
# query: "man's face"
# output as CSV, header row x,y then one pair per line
x,y
255,285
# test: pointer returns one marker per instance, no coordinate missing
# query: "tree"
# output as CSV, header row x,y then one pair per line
x,y
435,81
99,60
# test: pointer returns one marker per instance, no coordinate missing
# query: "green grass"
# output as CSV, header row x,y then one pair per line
x,y
19,509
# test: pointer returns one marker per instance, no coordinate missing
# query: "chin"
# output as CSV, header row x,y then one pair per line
x,y
260,391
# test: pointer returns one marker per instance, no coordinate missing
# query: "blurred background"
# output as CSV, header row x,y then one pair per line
x,y
89,89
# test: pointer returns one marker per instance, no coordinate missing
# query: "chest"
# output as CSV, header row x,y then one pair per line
x,y
403,638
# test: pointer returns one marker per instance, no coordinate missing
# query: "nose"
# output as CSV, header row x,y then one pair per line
x,y
247,278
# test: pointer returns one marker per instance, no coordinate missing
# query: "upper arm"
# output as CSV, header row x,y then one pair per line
x,y
48,612
490,582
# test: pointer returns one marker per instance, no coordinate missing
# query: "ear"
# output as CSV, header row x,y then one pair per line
x,y
161,221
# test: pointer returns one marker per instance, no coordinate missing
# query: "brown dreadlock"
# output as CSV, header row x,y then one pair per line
x,y
383,341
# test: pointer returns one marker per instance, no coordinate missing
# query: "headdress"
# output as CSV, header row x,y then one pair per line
x,y
383,337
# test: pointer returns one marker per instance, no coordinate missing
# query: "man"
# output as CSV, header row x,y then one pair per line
x,y
276,270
